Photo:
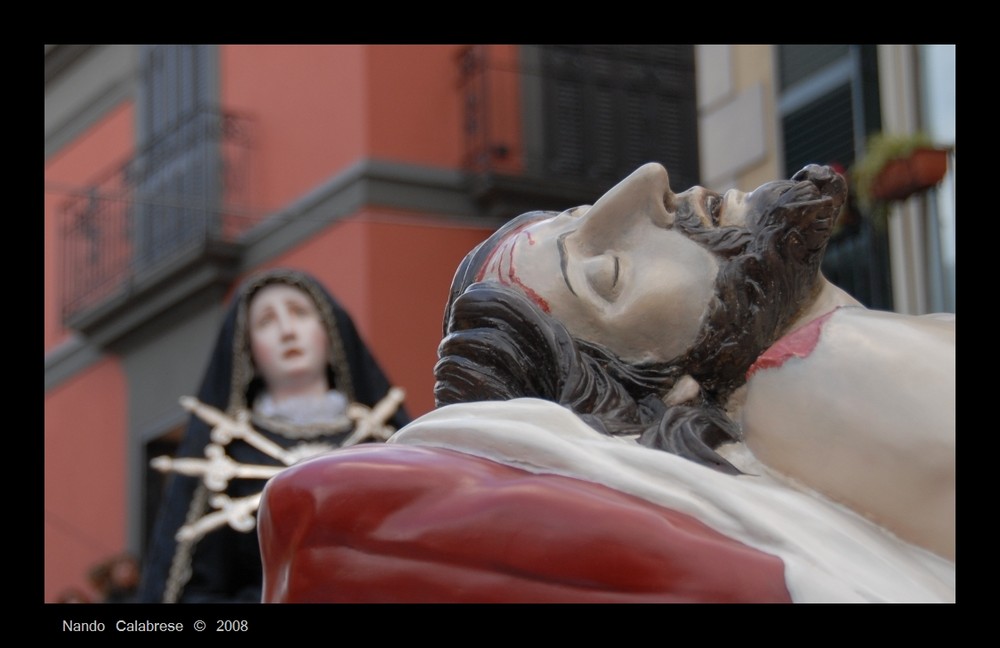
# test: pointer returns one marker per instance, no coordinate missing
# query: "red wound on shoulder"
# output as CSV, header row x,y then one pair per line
x,y
797,344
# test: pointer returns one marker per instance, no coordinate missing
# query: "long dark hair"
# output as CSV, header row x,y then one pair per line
x,y
499,345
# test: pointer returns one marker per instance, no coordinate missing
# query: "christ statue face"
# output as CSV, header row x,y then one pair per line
x,y
619,272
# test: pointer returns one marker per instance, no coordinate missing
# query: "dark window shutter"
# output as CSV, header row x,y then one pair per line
x,y
822,132
610,108
176,178
175,85
798,62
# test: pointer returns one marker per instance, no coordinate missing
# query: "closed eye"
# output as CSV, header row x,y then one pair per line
x,y
604,276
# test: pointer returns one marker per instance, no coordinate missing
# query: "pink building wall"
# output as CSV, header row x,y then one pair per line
x,y
316,111
85,483
307,104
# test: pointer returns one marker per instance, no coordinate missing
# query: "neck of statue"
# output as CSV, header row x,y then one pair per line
x,y
828,298
294,390
305,408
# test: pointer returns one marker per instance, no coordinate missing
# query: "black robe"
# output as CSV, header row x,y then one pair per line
x,y
224,565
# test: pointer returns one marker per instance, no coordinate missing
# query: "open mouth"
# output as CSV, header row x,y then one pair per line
x,y
713,207
291,353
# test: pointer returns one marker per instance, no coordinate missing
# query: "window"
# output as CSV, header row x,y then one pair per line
x,y
553,126
176,170
828,104
608,109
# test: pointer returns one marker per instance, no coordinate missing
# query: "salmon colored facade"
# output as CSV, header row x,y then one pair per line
x,y
85,484
85,428
316,112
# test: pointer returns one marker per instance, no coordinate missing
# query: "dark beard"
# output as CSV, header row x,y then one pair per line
x,y
769,272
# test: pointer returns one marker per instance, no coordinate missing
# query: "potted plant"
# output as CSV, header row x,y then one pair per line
x,y
894,167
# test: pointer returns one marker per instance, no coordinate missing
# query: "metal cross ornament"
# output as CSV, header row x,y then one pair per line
x,y
217,469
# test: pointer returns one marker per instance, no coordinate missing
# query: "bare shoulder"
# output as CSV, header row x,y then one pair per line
x,y
857,339
877,320
866,415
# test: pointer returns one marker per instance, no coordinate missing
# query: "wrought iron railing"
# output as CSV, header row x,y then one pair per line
x,y
183,191
476,79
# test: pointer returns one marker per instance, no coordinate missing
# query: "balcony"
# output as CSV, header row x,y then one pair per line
x,y
164,224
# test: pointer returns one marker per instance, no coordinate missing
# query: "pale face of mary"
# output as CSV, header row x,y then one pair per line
x,y
617,273
288,341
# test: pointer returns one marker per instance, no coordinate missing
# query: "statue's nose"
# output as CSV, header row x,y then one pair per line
x,y
644,194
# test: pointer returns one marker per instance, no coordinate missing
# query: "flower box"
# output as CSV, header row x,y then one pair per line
x,y
902,177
